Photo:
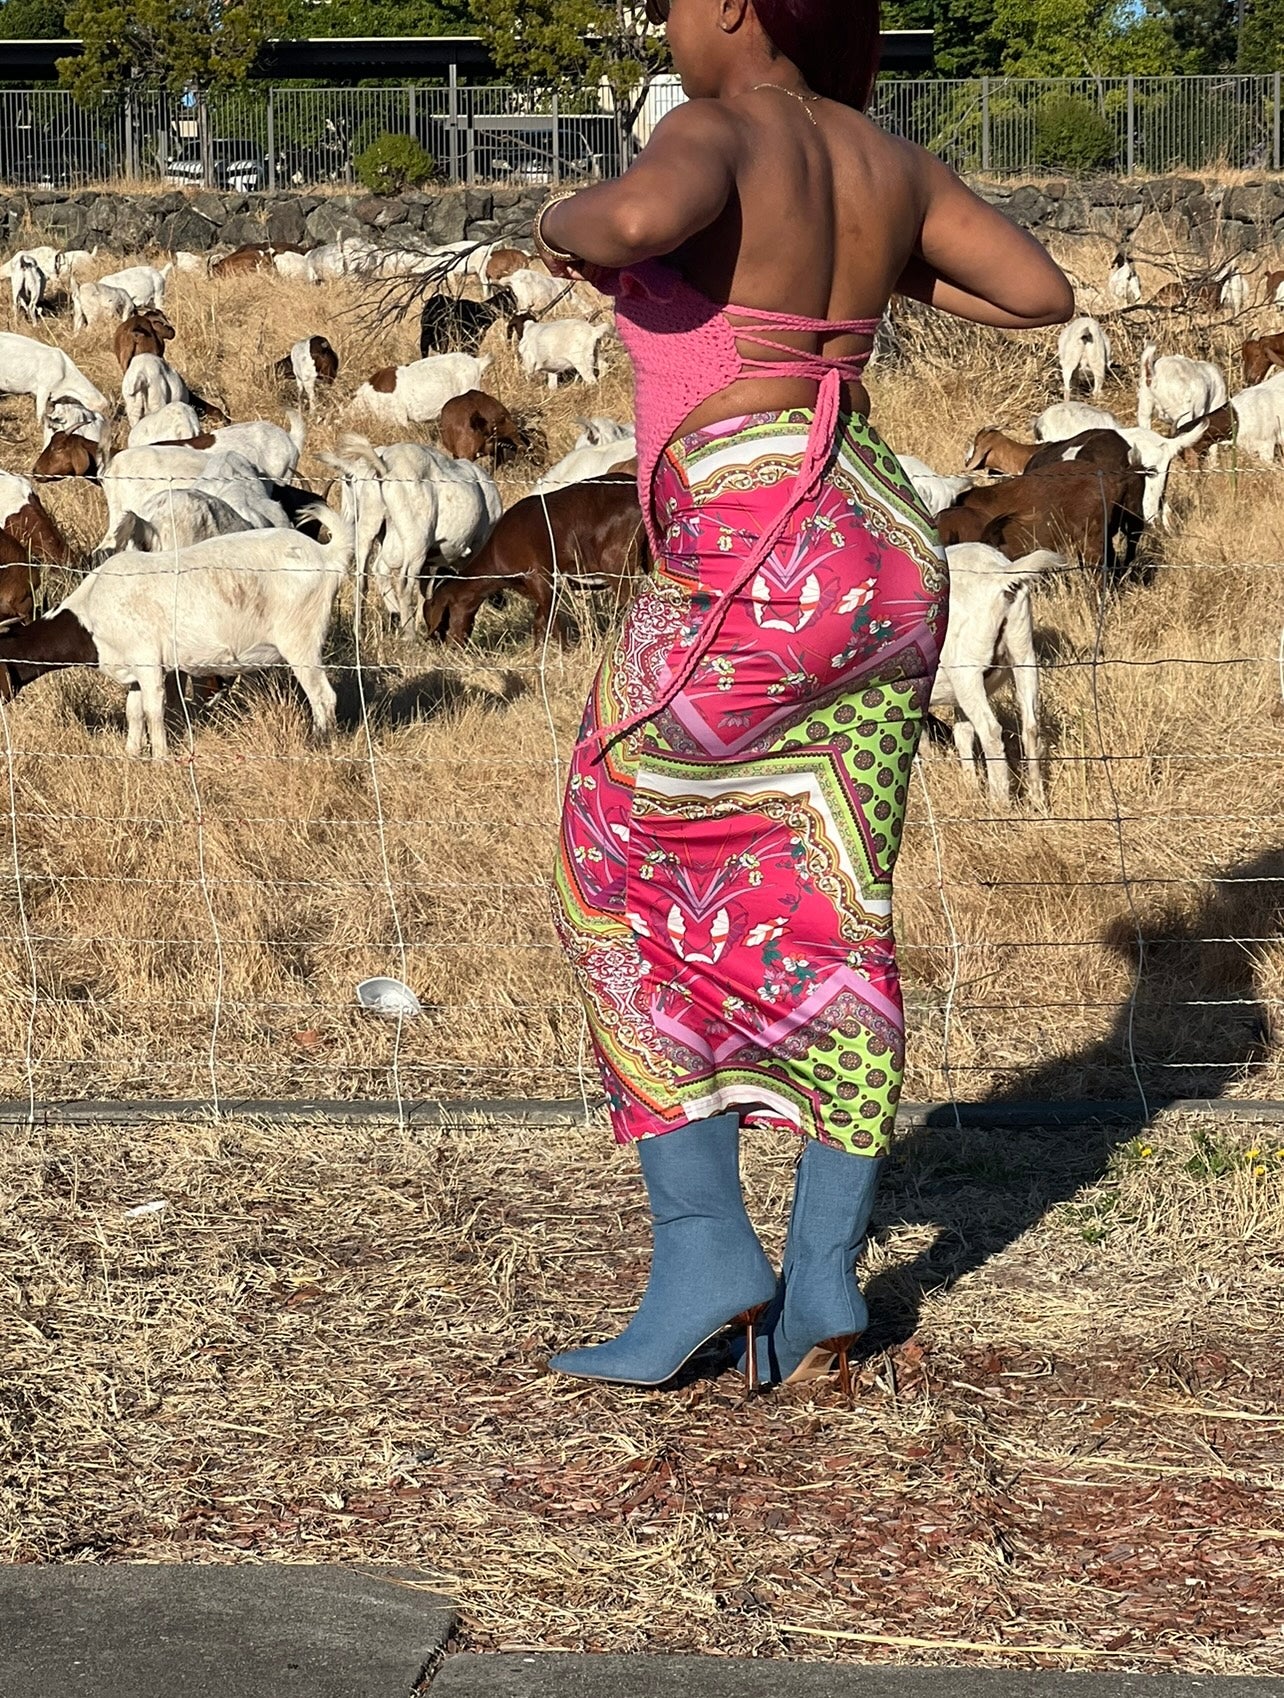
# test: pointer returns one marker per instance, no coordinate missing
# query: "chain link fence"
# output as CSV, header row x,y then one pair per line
x,y
278,138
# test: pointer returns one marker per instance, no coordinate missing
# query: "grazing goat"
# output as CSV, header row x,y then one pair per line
x,y
310,361
1233,289
66,415
934,490
229,605
1104,448
177,518
176,422
476,424
28,282
1274,289
598,431
1253,421
1178,389
1123,285
294,264
990,621
74,262
566,346
536,291
144,285
501,263
993,451
1078,511
414,510
589,461
137,473
448,324
149,384
1083,350
142,333
251,256
1262,357
25,521
416,393
66,455
19,580
589,535
28,367
94,303
1068,418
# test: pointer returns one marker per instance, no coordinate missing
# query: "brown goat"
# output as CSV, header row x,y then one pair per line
x,y
475,423
142,333
31,528
1274,282
1219,427
1103,448
252,256
992,451
588,534
66,455
1076,511
18,582
503,262
1262,354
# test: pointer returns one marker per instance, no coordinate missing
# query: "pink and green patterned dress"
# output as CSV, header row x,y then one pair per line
x,y
724,888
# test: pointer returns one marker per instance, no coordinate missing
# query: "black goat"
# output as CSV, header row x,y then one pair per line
x,y
448,325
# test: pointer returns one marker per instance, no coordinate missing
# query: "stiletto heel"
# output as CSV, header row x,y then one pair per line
x,y
749,1321
840,1346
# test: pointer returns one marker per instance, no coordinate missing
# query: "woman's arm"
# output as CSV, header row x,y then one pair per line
x,y
675,188
975,263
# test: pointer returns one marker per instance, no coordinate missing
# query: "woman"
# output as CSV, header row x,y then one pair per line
x,y
738,790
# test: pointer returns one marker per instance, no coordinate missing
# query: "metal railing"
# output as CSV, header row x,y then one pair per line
x,y
278,138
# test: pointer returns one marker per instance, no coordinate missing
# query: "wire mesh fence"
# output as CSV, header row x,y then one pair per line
x,y
263,138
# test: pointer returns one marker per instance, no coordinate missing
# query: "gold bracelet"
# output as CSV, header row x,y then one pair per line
x,y
545,248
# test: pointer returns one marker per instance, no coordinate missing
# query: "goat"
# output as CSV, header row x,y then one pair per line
x,y
25,521
450,324
66,455
1068,418
149,384
598,431
1155,455
294,264
91,303
1178,389
28,282
1083,350
476,424
310,361
142,333
414,510
1078,511
990,618
74,262
589,534
177,518
1233,289
144,285
1274,289
265,445
1104,448
933,489
229,605
1253,420
175,422
19,580
1123,285
1262,356
536,291
581,464
566,346
501,263
251,256
137,473
992,451
70,417
190,264
416,393
28,367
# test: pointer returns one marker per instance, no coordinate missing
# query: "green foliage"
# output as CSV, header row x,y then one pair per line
x,y
165,44
1261,46
571,43
32,20
1072,135
392,163
305,18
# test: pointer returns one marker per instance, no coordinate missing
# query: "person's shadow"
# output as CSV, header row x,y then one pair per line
x,y
1194,1024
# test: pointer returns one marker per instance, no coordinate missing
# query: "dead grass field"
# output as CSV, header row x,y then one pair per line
x,y
329,1343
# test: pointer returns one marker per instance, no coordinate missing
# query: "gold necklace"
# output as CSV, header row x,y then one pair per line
x,y
806,101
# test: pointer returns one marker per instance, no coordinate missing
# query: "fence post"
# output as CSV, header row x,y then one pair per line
x,y
985,123
130,162
452,114
271,140
411,118
1132,110
557,142
1275,139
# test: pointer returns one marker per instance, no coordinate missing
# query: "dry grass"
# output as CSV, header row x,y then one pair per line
x,y
1019,937
329,1345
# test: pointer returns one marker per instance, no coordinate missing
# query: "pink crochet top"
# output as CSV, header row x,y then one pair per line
x,y
684,349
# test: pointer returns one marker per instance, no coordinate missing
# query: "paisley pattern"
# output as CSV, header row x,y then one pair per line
x,y
724,888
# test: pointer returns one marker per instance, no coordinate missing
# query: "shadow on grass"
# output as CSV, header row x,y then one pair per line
x,y
1196,1021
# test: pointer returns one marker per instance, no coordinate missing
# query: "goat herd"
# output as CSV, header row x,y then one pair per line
x,y
216,559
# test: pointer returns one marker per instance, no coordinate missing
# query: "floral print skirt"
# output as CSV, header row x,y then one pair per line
x,y
724,886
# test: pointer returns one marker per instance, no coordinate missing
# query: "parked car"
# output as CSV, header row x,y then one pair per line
x,y
236,165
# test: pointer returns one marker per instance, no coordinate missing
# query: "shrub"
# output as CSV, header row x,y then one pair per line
x,y
1072,135
392,163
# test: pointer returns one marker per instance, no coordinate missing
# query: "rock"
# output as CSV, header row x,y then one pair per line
x,y
382,211
446,221
1069,213
286,222
187,228
65,222
1252,203
171,201
478,203
243,228
332,221
210,205
1028,207
483,230
131,229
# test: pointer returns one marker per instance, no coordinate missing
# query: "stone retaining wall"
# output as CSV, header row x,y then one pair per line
x,y
1161,217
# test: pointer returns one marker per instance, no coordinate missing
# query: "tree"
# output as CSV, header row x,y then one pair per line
x,y
962,44
307,18
1261,42
32,20
175,45
1080,38
573,43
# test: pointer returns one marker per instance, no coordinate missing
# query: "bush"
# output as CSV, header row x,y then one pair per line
x,y
1072,135
392,163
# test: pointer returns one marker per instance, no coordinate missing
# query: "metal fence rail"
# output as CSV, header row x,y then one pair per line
x,y
276,138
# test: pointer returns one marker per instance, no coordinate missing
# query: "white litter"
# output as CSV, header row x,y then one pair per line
x,y
388,997
152,1208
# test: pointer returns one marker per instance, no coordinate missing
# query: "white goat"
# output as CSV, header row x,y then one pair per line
x,y
74,262
28,367
584,463
414,509
28,282
598,431
1083,349
137,473
176,422
196,265
149,384
1123,284
1155,455
536,291
93,303
416,393
566,345
1233,294
74,418
297,267
177,518
934,489
1259,422
1178,389
1067,418
144,284
45,257
229,605
991,618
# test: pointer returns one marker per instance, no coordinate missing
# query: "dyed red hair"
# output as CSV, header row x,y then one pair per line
x,y
834,43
